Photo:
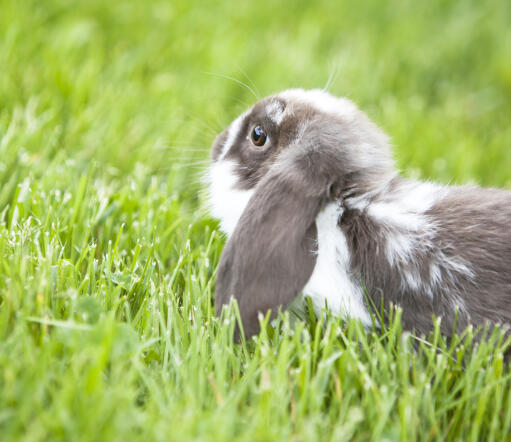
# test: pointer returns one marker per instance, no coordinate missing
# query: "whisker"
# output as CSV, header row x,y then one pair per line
x,y
201,166
250,81
189,164
227,77
186,148
243,103
332,77
186,155
221,125
201,184
204,125
177,142
208,131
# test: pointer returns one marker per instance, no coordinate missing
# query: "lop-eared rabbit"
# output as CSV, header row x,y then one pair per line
x,y
305,188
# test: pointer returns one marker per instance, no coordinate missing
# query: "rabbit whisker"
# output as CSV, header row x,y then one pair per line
x,y
332,77
250,81
227,77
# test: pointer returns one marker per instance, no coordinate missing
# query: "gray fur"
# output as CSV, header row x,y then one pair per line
x,y
468,224
448,258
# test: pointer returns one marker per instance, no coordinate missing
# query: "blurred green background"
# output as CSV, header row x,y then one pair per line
x,y
107,260
120,83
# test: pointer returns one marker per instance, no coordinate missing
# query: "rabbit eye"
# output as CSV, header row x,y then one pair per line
x,y
258,136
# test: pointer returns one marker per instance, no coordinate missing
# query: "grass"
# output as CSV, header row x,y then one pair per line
x,y
107,259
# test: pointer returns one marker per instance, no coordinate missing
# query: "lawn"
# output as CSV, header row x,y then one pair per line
x,y
108,256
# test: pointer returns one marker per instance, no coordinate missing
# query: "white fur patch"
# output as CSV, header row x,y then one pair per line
x,y
226,202
322,101
275,111
455,266
410,232
232,133
403,215
399,247
331,282
406,207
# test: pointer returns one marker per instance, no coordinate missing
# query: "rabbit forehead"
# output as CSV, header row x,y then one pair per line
x,y
294,106
319,101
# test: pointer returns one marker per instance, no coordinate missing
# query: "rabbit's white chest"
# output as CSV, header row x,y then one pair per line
x,y
331,282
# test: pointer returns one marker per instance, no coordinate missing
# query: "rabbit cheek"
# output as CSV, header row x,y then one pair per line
x,y
226,200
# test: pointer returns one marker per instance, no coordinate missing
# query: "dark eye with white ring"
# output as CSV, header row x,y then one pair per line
x,y
258,136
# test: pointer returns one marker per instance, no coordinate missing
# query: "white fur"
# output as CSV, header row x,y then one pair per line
x,y
226,202
455,266
331,283
403,214
407,206
399,247
232,132
275,111
322,101
410,232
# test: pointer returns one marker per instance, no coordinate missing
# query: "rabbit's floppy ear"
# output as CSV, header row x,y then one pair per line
x,y
271,254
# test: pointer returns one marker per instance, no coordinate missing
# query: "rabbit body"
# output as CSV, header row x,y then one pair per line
x,y
318,208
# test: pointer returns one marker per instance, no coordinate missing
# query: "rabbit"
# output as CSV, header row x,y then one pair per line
x,y
306,190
